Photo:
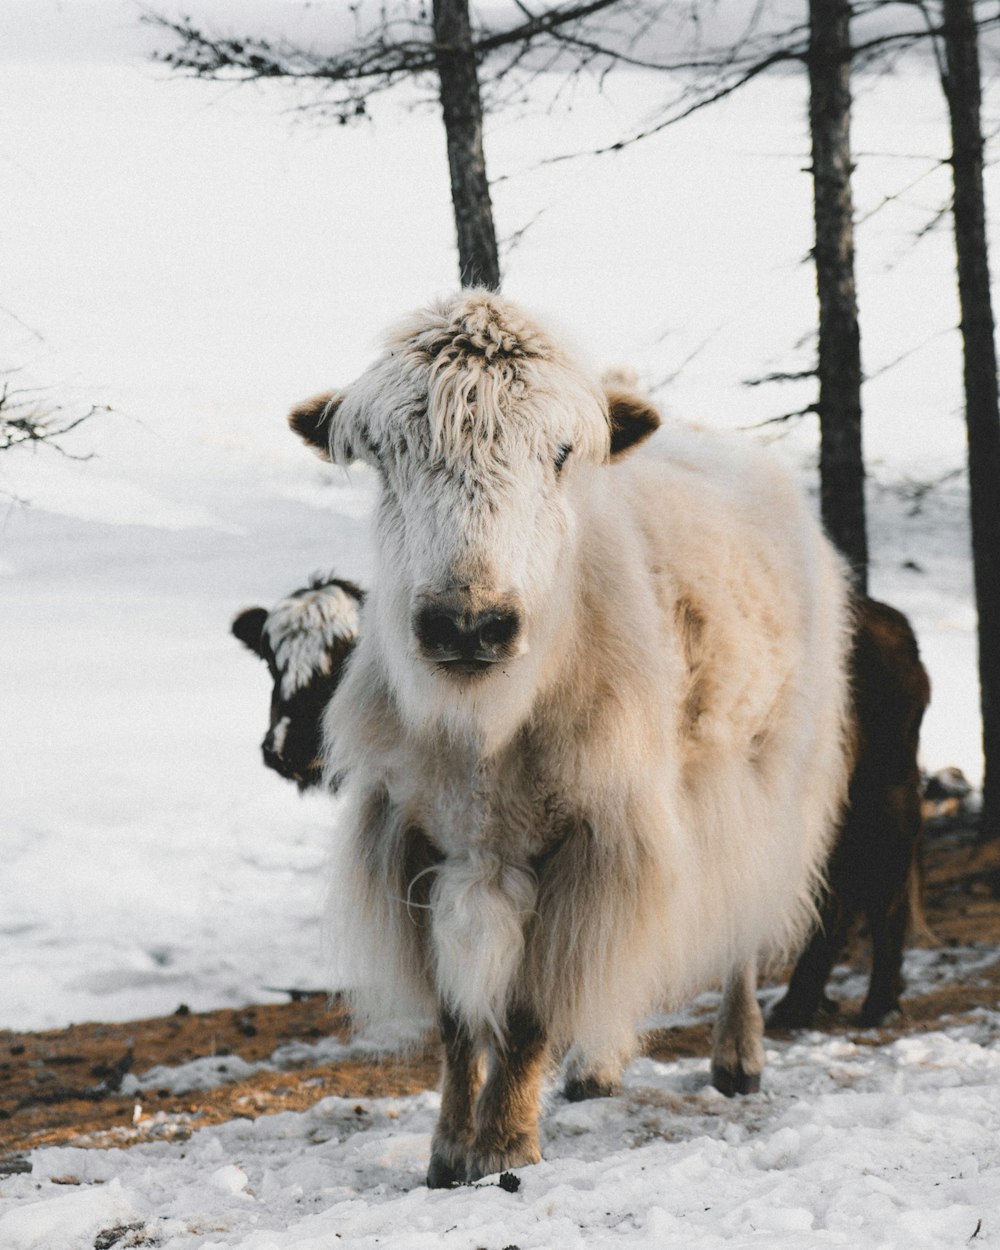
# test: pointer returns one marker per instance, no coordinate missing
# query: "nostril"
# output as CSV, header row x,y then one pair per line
x,y
499,629
455,630
439,631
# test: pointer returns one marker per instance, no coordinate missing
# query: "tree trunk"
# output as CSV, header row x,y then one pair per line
x,y
841,465
962,88
463,120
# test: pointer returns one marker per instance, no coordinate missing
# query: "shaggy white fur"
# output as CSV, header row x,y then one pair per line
x,y
639,802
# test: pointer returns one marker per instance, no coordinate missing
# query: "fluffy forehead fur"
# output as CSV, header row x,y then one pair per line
x,y
303,632
471,379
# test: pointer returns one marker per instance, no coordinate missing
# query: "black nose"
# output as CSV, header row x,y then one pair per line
x,y
272,758
454,634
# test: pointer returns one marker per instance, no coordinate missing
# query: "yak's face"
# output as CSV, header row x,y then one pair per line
x,y
478,425
305,641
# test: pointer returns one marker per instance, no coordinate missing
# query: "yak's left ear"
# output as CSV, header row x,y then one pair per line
x,y
311,421
632,420
248,627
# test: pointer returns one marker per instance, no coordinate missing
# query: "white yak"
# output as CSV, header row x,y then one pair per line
x,y
594,728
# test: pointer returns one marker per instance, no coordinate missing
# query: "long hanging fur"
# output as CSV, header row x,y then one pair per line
x,y
641,801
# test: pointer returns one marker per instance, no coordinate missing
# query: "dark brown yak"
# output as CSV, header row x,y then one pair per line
x,y
874,866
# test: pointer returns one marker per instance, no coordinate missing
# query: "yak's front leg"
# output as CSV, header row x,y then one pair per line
x,y
738,1038
506,1119
462,1078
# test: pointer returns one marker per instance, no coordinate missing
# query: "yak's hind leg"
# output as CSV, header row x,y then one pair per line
x,y
888,905
805,998
506,1118
888,928
738,1037
462,1077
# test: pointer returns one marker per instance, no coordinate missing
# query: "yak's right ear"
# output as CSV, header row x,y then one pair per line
x,y
311,421
248,627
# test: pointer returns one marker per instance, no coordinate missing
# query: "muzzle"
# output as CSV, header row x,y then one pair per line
x,y
466,630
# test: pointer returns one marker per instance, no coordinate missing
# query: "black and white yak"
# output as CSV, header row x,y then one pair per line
x,y
304,639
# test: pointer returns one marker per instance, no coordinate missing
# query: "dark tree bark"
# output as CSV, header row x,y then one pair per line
x,y
962,88
478,262
406,43
842,472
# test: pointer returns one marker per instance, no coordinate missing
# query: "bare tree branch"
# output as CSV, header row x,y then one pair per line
x,y
26,421
797,375
905,355
895,196
785,417
377,60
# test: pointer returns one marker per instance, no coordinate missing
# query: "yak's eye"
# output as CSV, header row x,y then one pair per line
x,y
561,457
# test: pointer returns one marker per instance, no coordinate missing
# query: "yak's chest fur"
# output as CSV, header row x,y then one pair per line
x,y
511,805
492,823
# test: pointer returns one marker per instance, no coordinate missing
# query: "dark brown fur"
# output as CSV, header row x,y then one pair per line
x,y
311,421
631,418
876,855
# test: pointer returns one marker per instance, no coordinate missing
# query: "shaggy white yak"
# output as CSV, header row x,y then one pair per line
x,y
593,732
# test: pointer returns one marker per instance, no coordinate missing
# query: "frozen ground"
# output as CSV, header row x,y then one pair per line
x,y
192,258
859,1146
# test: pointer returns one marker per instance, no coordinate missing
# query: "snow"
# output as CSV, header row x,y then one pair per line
x,y
850,1145
199,259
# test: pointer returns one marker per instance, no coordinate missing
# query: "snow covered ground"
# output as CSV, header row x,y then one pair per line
x,y
192,257
861,1146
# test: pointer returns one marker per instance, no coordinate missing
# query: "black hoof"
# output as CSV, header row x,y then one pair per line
x,y
441,1175
581,1088
789,1014
875,1017
732,1083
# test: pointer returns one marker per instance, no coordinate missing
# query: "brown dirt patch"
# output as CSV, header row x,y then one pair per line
x,y
64,1086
